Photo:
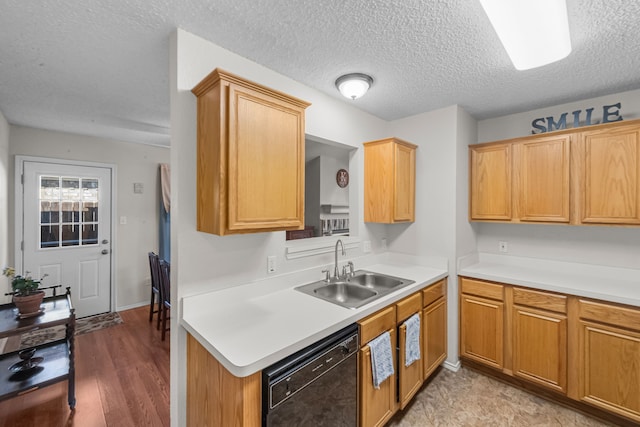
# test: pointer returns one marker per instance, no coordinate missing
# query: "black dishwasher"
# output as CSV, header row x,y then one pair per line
x,y
316,386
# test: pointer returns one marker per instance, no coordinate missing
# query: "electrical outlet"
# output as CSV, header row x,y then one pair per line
x,y
503,247
123,220
366,246
271,264
383,244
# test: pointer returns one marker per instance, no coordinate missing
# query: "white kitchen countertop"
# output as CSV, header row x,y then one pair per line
x,y
614,284
249,327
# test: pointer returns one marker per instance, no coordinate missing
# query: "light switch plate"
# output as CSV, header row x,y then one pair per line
x,y
366,246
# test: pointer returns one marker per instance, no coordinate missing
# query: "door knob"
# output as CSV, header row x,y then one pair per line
x,y
105,241
105,251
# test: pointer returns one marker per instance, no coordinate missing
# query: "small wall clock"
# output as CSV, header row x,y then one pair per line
x,y
342,178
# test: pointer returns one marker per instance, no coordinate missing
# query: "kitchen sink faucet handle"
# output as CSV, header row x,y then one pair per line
x,y
327,274
351,269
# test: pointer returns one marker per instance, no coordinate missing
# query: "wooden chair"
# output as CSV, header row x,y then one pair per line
x,y
154,268
165,292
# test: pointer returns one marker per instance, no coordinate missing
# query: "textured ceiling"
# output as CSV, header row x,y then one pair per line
x,y
101,67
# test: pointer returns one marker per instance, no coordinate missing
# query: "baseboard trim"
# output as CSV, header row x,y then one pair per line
x,y
454,367
132,306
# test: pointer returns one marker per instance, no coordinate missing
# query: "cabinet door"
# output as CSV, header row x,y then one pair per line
x,y
543,179
405,183
435,336
540,347
377,406
266,162
610,368
490,184
609,174
409,377
481,330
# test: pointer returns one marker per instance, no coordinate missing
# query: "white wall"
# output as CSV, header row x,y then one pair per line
x,y
516,125
135,163
606,245
203,262
5,258
442,137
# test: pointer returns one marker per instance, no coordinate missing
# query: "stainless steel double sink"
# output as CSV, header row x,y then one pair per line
x,y
354,291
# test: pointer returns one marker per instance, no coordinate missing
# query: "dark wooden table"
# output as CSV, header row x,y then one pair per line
x,y
58,356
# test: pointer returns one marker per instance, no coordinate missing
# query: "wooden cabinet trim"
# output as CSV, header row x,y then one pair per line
x,y
408,307
616,315
540,299
434,292
481,288
377,323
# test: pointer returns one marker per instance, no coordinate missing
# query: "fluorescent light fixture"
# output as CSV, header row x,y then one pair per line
x,y
354,85
533,32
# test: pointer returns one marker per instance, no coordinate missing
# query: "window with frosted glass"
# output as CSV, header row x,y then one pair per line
x,y
68,211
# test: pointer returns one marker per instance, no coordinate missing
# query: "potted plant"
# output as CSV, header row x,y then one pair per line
x,y
26,293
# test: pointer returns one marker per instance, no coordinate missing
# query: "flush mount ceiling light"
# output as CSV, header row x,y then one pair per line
x,y
354,85
533,32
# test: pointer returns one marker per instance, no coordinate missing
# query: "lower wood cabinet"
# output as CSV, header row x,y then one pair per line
x,y
215,397
582,349
434,329
409,377
482,322
609,358
376,405
540,344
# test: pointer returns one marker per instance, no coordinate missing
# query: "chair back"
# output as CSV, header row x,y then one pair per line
x,y
154,267
165,282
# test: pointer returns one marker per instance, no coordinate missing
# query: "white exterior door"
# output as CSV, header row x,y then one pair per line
x,y
66,230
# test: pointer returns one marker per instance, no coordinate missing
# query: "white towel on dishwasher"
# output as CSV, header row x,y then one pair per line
x,y
412,343
381,358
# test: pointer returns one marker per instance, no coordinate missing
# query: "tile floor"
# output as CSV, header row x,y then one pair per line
x,y
468,398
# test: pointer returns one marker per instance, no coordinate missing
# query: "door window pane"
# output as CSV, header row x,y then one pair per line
x,y
70,235
68,205
49,236
90,234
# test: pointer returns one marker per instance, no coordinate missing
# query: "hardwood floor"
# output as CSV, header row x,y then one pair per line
x,y
122,379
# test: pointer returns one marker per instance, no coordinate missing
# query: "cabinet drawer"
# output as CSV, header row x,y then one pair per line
x,y
408,307
481,288
612,314
434,292
541,300
377,323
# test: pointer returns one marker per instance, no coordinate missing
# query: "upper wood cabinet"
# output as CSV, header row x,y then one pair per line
x,y
577,176
542,179
490,184
389,181
250,157
608,161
